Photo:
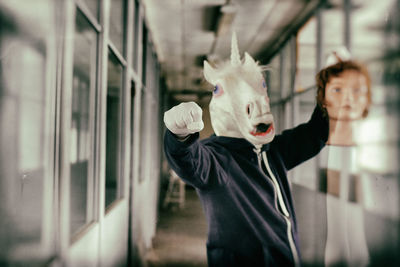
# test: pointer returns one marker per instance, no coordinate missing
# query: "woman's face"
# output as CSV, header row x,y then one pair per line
x,y
346,96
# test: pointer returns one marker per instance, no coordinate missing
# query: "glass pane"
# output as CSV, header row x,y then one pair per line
x,y
332,31
26,132
84,81
376,42
288,68
303,103
93,6
306,63
274,79
150,68
307,68
367,43
113,128
149,130
144,118
136,37
133,91
368,36
144,54
117,30
22,141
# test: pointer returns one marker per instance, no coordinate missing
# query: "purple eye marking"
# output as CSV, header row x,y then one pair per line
x,y
218,90
264,84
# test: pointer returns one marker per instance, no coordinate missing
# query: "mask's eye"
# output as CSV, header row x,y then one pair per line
x,y
218,90
264,84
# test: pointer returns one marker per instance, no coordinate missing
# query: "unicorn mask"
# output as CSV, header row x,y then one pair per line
x,y
240,105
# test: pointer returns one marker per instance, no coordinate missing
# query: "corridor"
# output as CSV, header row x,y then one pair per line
x,y
180,240
85,84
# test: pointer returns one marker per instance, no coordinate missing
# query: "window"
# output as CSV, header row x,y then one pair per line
x,y
133,91
376,43
366,43
113,129
144,53
117,27
273,80
93,6
288,68
22,140
81,133
369,43
304,102
26,142
306,56
144,121
149,130
333,29
135,60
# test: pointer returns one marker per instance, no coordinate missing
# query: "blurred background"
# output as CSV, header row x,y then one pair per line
x,y
83,88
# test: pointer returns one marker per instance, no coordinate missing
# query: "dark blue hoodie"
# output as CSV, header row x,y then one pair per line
x,y
245,192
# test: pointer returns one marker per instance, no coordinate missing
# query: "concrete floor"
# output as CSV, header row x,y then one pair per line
x,y
181,236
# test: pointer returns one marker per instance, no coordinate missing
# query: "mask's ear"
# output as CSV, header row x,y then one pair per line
x,y
209,73
248,60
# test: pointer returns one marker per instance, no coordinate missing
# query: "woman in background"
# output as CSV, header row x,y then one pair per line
x,y
343,92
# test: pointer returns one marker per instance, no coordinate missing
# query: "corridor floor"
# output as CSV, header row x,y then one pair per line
x,y
181,236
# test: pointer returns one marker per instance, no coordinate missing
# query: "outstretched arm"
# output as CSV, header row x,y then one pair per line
x,y
186,156
304,141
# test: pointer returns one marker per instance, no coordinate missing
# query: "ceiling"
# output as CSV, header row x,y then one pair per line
x,y
185,32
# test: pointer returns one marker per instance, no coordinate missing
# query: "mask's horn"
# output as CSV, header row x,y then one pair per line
x,y
235,57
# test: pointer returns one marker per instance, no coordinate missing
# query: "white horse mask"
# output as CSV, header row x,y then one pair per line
x,y
240,105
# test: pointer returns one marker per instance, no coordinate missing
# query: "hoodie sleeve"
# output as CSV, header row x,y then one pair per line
x,y
190,159
304,141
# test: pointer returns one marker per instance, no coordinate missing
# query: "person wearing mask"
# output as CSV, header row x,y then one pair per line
x,y
240,172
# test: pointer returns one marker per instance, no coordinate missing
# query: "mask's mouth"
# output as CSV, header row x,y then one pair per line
x,y
262,129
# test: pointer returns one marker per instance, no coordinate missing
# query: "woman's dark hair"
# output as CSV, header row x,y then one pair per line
x,y
324,76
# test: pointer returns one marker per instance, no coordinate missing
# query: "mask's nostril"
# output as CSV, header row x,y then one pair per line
x,y
248,109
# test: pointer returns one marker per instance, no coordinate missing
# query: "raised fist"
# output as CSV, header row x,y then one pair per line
x,y
184,119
